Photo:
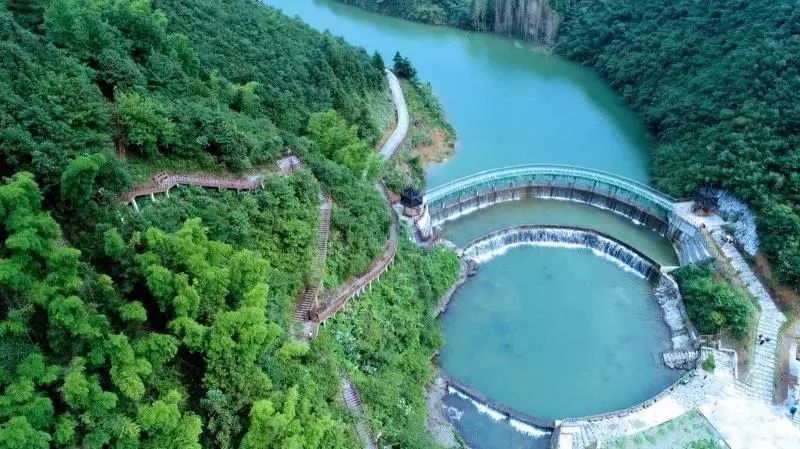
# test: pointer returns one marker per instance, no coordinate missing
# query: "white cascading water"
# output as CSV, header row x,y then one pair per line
x,y
496,243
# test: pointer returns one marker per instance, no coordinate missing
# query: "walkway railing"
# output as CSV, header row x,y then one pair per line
x,y
521,175
311,292
163,182
556,177
338,298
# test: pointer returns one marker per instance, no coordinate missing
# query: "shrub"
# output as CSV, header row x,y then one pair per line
x,y
714,305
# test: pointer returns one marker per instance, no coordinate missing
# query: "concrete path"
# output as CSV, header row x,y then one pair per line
x,y
401,130
760,383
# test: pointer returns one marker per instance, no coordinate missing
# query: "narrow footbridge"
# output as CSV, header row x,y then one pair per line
x,y
163,182
639,202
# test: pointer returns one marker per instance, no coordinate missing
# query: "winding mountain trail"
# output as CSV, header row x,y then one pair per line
x,y
401,130
306,315
352,401
336,299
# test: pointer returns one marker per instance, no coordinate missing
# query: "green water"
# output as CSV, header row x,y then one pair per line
x,y
561,331
557,333
509,104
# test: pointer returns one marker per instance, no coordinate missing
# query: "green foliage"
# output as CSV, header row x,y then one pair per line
x,y
340,143
436,12
669,61
387,337
298,71
714,305
145,123
403,67
709,364
199,297
156,334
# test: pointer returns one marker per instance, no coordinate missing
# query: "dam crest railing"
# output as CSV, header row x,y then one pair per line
x,y
530,172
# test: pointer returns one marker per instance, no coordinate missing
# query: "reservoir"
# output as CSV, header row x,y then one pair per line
x,y
554,332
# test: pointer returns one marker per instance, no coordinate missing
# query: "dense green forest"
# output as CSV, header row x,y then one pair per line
x,y
716,82
714,305
171,327
537,20
719,86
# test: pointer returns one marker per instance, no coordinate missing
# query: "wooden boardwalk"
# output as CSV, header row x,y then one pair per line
x,y
163,182
336,299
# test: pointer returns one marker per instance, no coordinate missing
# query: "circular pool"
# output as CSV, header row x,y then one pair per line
x,y
556,332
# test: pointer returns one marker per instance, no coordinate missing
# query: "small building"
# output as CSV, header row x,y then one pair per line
x,y
413,202
706,200
289,164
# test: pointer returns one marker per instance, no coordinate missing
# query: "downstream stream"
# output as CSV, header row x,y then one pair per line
x,y
545,319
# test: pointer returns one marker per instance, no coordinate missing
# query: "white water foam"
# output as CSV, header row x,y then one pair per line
x,y
486,410
527,429
486,256
453,413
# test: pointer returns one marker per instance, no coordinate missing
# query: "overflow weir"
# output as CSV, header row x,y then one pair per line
x,y
684,352
640,203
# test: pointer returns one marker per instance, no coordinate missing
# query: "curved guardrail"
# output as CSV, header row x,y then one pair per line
x,y
536,173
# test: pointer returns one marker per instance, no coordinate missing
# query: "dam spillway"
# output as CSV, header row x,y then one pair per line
x,y
638,202
561,332
495,243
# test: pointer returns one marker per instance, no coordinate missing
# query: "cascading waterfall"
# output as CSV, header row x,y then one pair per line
x,y
601,200
496,243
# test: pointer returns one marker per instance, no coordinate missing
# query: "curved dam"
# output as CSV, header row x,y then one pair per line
x,y
638,202
607,339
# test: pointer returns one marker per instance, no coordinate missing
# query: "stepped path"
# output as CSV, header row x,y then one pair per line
x,y
760,383
311,291
351,399
335,300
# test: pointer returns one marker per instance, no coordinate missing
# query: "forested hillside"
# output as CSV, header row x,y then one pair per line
x,y
536,20
170,328
719,86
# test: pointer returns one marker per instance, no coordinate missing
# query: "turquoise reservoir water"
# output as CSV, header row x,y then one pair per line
x,y
557,333
509,103
554,319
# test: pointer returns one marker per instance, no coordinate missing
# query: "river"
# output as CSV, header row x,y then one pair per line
x,y
511,104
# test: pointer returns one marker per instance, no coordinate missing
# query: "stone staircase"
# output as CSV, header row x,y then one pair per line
x,y
760,383
586,437
683,360
352,401
312,288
